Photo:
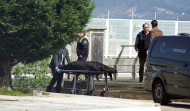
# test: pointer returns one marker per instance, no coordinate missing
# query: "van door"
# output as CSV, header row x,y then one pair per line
x,y
189,82
174,53
177,79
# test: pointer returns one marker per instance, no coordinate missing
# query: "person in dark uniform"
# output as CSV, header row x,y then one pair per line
x,y
141,47
82,47
57,61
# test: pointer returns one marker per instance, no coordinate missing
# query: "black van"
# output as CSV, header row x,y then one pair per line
x,y
168,68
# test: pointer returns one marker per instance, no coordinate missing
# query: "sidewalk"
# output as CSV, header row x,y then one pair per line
x,y
65,102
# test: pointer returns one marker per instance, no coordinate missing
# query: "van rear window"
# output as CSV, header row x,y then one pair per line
x,y
176,49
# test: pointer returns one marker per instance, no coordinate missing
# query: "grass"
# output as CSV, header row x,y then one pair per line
x,y
15,92
45,93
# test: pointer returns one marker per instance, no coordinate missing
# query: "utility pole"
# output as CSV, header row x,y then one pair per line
x,y
155,16
132,15
108,14
177,16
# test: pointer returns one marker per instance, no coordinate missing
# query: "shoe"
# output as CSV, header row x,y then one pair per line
x,y
58,89
169,101
48,89
140,81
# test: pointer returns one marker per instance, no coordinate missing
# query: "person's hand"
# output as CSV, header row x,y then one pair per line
x,y
58,70
147,52
137,51
80,56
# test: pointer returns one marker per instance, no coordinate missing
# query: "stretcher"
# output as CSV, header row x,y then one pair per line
x,y
90,79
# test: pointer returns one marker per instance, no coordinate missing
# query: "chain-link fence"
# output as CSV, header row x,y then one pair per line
x,y
123,32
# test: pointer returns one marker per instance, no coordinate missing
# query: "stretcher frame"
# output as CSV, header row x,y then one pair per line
x,y
90,75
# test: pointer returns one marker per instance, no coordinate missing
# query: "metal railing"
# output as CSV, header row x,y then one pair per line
x,y
134,65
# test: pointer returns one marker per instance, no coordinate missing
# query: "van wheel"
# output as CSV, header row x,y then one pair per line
x,y
159,93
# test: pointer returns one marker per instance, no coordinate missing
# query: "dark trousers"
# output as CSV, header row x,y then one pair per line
x,y
84,58
57,77
142,61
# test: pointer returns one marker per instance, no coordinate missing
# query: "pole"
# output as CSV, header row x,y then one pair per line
x,y
131,37
107,35
132,15
155,16
177,17
176,24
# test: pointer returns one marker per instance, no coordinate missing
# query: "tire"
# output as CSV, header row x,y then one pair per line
x,y
159,93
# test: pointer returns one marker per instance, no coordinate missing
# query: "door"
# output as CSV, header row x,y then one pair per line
x,y
97,47
177,79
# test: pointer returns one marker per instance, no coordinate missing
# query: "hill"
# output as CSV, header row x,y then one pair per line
x,y
143,8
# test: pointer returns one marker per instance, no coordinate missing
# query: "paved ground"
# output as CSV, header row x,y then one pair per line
x,y
176,106
63,102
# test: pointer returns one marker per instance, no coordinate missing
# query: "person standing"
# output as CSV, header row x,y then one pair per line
x,y
57,61
141,47
82,47
155,31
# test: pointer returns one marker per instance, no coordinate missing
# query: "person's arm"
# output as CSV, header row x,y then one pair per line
x,y
85,44
136,43
78,50
151,36
162,33
56,61
67,57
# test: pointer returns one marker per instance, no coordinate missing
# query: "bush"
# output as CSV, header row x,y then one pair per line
x,y
33,75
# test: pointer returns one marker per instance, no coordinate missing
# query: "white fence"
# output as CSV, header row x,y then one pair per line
x,y
123,32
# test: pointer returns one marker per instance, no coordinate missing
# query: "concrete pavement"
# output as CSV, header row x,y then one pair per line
x,y
66,102
176,106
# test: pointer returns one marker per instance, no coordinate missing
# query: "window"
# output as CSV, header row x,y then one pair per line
x,y
176,49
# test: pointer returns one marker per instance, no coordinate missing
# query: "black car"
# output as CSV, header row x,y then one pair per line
x,y
168,68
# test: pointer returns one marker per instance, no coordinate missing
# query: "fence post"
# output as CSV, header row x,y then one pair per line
x,y
130,37
176,28
107,36
176,25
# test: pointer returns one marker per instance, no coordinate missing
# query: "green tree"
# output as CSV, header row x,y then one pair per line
x,y
31,30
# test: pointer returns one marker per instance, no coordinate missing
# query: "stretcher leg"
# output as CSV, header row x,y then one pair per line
x,y
88,85
105,88
74,85
92,79
92,85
